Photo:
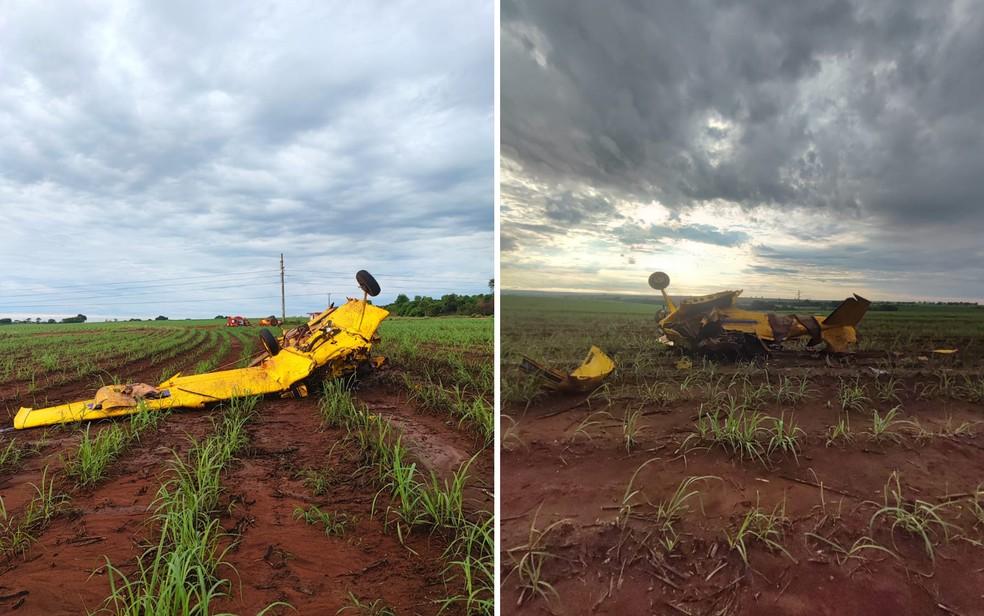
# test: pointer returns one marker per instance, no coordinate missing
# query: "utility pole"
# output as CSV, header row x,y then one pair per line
x,y
283,301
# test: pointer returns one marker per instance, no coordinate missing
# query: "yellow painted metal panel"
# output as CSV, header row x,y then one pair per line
x,y
597,365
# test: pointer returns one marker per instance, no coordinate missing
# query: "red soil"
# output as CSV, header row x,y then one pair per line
x,y
107,522
597,568
279,558
274,557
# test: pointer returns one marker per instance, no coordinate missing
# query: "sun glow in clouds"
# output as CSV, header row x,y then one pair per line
x,y
804,150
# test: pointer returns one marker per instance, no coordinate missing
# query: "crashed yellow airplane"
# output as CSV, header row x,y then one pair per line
x,y
335,342
714,324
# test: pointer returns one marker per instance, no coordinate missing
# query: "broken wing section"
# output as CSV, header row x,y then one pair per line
x,y
193,391
340,342
596,367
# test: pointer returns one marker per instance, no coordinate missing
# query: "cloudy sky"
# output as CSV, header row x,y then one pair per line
x,y
157,157
827,147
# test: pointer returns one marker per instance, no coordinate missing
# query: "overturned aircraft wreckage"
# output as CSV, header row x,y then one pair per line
x,y
334,343
714,324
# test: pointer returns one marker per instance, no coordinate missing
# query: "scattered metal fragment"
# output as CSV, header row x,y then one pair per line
x,y
592,372
684,363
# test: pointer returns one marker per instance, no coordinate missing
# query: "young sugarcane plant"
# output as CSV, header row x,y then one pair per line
x,y
528,561
631,428
784,437
761,526
855,551
918,517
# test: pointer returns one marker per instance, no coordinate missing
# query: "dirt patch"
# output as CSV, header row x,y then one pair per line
x,y
280,558
439,444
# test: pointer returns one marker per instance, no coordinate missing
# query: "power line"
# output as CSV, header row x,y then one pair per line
x,y
205,286
178,278
202,300
387,287
185,282
101,286
198,286
122,291
392,276
421,280
210,300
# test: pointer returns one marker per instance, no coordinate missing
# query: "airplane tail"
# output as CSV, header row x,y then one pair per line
x,y
850,312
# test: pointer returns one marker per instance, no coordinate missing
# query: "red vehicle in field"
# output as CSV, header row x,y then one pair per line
x,y
237,322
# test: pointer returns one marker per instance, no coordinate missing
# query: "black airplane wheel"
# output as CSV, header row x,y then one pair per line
x,y
367,283
269,342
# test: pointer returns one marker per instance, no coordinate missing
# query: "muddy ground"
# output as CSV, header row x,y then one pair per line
x,y
271,556
597,559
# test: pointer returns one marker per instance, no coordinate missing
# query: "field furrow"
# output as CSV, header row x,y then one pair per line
x,y
300,517
702,486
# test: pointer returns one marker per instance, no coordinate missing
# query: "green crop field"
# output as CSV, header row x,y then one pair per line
x,y
565,326
36,357
399,456
447,365
782,465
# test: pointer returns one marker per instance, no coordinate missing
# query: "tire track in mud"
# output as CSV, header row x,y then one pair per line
x,y
437,443
279,558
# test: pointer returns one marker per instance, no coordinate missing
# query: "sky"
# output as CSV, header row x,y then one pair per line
x,y
158,157
822,148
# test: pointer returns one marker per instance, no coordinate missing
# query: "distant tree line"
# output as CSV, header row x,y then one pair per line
x,y
79,318
424,306
948,303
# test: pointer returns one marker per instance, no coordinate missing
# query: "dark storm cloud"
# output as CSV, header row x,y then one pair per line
x,y
153,139
863,110
633,85
530,234
574,209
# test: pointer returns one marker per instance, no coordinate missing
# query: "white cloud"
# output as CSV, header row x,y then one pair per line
x,y
160,140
